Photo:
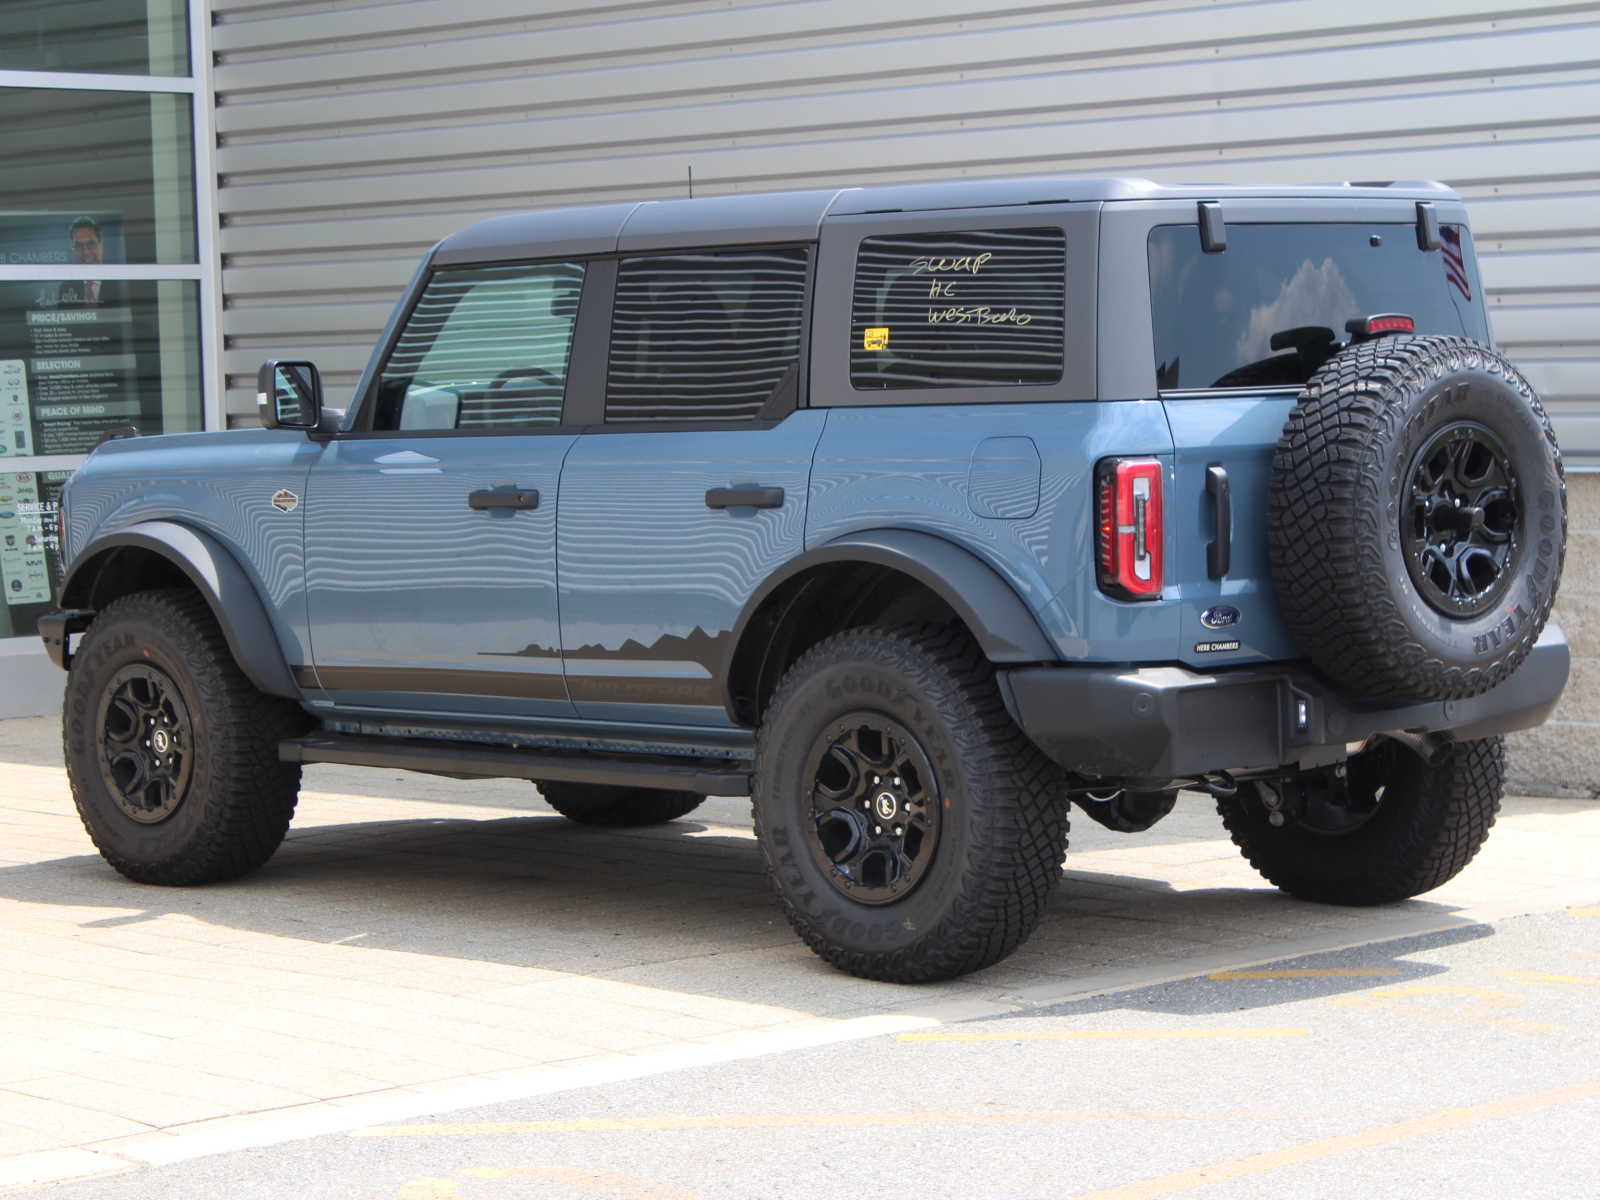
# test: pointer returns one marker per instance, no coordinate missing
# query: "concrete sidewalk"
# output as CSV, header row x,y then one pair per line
x,y
420,944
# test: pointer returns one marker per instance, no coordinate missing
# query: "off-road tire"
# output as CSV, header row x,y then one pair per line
x,y
1429,823
1340,495
1001,804
235,808
614,807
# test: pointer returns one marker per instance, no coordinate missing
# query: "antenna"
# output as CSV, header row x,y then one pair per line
x,y
691,181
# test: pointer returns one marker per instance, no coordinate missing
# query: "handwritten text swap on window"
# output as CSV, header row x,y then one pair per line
x,y
945,289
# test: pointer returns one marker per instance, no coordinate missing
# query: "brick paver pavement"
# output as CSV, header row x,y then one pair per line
x,y
419,943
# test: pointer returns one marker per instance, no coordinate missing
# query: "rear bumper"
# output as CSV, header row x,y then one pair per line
x,y
1150,725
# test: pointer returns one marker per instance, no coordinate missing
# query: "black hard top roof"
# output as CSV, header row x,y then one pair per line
x,y
797,216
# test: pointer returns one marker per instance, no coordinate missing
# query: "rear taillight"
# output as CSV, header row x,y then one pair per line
x,y
1128,520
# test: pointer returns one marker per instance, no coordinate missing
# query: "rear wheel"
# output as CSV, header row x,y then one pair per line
x,y
911,831
170,751
1385,826
614,807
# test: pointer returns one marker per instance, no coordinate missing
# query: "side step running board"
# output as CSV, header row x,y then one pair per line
x,y
471,760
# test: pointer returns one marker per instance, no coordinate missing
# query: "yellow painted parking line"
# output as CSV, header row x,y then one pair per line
x,y
1542,977
812,1121
582,1179
1488,998
429,1187
1311,973
1103,1035
1583,912
1366,1139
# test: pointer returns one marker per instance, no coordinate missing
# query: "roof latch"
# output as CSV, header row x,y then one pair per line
x,y
1427,226
1213,233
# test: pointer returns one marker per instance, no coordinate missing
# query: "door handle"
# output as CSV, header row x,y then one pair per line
x,y
1219,553
508,498
745,495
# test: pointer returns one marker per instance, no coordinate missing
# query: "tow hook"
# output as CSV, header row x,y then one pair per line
x,y
1220,784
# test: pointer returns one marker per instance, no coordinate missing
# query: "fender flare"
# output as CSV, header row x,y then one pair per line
x,y
1005,629
217,576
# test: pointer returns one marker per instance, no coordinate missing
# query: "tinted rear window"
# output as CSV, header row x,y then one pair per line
x,y
978,308
1271,308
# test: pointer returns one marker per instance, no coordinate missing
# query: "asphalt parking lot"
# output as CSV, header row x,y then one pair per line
x,y
421,946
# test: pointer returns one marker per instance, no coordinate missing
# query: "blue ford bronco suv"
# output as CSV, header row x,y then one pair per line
x,y
916,513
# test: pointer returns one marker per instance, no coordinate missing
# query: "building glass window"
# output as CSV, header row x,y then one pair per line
x,y
30,554
705,337
120,37
106,272
982,308
79,358
109,178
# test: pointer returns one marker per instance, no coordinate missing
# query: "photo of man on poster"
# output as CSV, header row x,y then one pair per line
x,y
87,248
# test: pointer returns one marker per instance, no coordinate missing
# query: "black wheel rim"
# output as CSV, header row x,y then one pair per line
x,y
146,743
1460,528
873,825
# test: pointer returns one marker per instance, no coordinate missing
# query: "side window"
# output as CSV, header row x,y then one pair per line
x,y
705,337
985,308
485,347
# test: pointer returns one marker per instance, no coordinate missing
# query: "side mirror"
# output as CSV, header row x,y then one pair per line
x,y
289,395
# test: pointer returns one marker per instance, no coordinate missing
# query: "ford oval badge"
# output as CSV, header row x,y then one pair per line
x,y
1219,616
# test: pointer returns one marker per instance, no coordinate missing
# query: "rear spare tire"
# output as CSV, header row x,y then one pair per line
x,y
1417,518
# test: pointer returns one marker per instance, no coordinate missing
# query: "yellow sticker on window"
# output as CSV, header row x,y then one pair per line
x,y
876,338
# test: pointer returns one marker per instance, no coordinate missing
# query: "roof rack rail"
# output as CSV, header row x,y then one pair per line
x,y
1432,185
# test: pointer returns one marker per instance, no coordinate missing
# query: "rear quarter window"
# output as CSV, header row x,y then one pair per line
x,y
1271,308
980,308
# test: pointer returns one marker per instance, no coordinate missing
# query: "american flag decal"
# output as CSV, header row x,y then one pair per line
x,y
1455,266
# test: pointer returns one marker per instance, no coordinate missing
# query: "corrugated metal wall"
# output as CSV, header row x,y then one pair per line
x,y
351,136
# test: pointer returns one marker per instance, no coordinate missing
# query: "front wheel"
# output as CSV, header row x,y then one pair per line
x,y
910,829
171,753
1385,826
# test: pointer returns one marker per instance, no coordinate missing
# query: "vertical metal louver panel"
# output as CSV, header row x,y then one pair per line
x,y
985,307
704,337
488,346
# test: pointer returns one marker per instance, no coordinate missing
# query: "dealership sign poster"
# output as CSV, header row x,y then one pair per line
x,y
74,339
24,565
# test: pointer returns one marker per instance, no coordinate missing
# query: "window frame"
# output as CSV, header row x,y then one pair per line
x,y
840,247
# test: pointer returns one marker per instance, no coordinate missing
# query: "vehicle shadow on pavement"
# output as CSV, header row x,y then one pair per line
x,y
684,906
1382,967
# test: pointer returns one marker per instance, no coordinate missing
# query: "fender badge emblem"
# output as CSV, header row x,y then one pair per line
x,y
1219,616
284,500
